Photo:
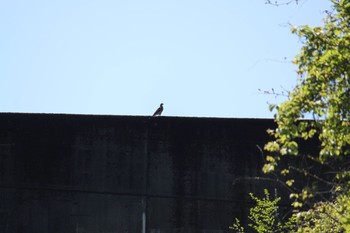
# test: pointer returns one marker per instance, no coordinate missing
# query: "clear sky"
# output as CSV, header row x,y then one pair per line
x,y
203,58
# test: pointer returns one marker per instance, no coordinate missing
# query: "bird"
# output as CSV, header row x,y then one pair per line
x,y
159,111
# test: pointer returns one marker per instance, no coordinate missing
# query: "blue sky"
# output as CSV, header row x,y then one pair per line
x,y
203,58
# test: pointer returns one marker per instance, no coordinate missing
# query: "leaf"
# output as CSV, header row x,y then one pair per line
x,y
290,182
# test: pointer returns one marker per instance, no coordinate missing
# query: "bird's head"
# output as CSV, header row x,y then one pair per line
x,y
161,104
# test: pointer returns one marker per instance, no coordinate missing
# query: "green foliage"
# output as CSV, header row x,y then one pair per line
x,y
322,96
263,214
237,227
328,216
264,217
321,201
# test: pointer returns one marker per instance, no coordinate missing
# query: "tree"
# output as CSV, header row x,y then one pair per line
x,y
263,216
327,216
318,109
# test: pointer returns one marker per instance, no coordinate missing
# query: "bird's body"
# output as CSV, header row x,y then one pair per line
x,y
159,111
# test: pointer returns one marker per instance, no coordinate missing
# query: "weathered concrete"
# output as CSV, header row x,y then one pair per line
x,y
99,174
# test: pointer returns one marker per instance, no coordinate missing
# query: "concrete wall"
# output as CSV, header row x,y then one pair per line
x,y
104,174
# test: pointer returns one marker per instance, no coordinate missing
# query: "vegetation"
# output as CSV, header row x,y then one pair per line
x,y
264,216
279,3
322,96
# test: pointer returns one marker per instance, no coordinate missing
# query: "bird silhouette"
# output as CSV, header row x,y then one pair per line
x,y
159,111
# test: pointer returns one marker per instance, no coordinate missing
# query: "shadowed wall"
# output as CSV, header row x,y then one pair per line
x,y
99,174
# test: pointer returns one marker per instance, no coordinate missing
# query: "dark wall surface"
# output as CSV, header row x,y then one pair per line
x,y
103,174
